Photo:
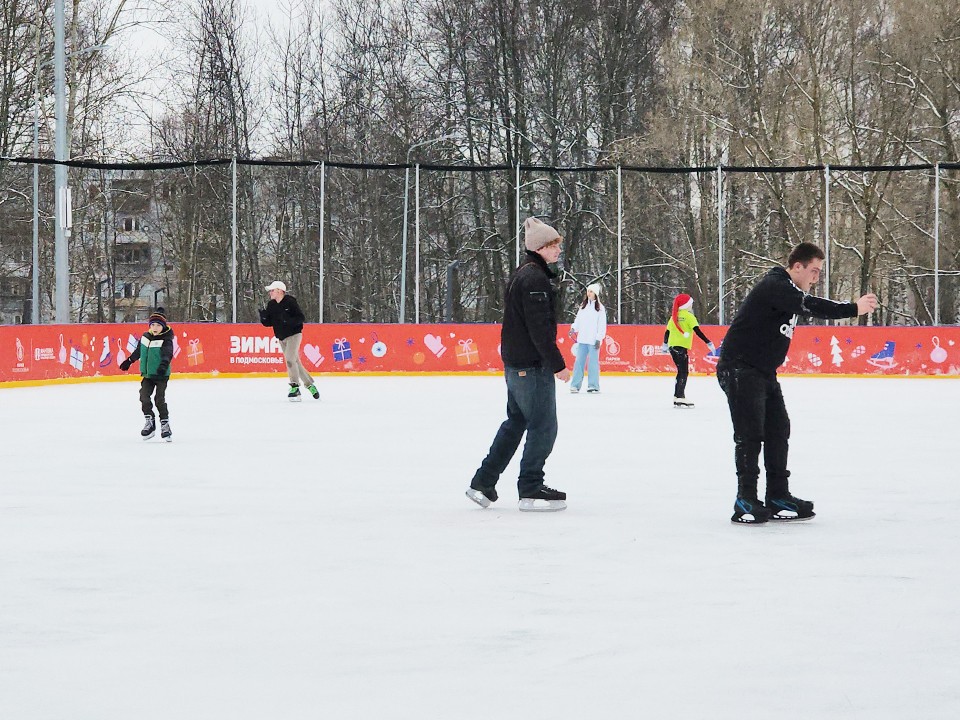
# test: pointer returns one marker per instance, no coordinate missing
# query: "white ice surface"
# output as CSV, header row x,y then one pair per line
x,y
282,561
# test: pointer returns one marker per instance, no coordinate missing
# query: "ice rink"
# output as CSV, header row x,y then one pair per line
x,y
284,561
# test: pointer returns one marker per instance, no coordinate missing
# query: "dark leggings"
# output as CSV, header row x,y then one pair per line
x,y
147,386
682,361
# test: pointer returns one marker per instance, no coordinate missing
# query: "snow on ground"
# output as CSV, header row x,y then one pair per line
x,y
319,560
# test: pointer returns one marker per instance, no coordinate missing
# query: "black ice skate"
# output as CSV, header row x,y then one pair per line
x,y
788,507
294,394
482,496
165,432
149,427
682,403
313,391
749,511
544,499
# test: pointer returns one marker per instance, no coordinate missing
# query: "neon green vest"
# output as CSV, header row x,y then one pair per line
x,y
687,323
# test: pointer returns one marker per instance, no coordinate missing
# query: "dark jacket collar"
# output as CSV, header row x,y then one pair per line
x,y
537,258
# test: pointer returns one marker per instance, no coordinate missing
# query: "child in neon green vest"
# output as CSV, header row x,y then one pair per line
x,y
678,339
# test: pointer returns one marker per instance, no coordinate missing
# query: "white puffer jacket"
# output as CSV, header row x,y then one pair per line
x,y
591,324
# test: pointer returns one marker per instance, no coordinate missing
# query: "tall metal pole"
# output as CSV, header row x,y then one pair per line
x,y
233,233
323,215
619,245
720,240
416,269
403,244
519,222
936,244
61,226
826,231
35,280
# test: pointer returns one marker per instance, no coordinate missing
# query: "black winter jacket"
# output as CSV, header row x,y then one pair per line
x,y
285,317
529,334
760,333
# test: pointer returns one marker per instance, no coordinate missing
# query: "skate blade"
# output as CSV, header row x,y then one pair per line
x,y
167,439
751,521
792,518
478,497
677,406
147,437
534,505
295,399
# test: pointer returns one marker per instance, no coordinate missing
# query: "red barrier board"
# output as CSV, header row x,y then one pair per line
x,y
48,352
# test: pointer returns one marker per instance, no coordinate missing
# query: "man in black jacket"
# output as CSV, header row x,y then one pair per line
x,y
284,315
531,359
755,346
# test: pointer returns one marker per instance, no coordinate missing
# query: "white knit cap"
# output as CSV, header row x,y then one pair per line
x,y
537,233
594,288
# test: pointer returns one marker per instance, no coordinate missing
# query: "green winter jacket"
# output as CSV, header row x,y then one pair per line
x,y
154,353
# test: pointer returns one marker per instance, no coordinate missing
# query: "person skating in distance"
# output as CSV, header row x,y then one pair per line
x,y
155,352
284,315
677,340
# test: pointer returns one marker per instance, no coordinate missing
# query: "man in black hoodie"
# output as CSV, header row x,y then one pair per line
x,y
755,346
531,359
284,315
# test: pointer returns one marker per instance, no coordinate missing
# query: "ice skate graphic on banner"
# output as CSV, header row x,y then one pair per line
x,y
713,357
105,355
884,358
938,354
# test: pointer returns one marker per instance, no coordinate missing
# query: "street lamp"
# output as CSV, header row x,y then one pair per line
x,y
60,246
155,294
406,201
100,285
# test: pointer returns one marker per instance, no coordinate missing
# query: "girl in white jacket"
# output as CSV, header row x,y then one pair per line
x,y
590,328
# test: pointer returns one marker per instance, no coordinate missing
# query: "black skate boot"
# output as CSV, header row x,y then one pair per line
x,y
787,507
544,499
682,403
294,394
482,496
749,511
165,432
149,427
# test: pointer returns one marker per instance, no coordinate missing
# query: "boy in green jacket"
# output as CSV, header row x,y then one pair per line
x,y
154,352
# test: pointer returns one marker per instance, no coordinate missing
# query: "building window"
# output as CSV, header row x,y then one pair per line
x,y
132,254
131,224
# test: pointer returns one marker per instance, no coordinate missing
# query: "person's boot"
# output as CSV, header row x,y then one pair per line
x,y
788,507
544,499
294,394
749,511
149,427
165,432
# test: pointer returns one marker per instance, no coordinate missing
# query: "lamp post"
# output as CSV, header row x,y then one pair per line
x,y
60,246
105,281
155,294
406,200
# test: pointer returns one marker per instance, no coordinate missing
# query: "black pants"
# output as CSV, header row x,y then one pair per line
x,y
682,360
147,386
531,408
759,419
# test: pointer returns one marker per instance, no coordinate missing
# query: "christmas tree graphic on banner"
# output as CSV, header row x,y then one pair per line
x,y
835,351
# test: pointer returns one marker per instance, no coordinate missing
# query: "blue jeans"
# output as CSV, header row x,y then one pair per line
x,y
584,352
531,408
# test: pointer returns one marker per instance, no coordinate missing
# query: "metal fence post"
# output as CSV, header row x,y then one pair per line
x,y
233,233
519,222
826,232
720,281
619,245
936,244
323,215
416,242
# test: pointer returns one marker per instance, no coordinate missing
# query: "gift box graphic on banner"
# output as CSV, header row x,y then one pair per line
x,y
467,353
77,358
194,352
341,349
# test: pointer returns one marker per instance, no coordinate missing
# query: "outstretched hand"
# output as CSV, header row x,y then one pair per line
x,y
563,375
866,304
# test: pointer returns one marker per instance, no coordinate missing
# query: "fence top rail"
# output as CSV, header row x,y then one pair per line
x,y
653,169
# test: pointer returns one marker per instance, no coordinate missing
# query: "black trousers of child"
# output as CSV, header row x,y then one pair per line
x,y
682,360
147,387
759,419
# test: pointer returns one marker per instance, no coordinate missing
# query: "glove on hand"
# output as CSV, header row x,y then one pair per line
x,y
125,365
711,346
596,345
665,349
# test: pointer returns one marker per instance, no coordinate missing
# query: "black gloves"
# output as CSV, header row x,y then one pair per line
x,y
125,365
